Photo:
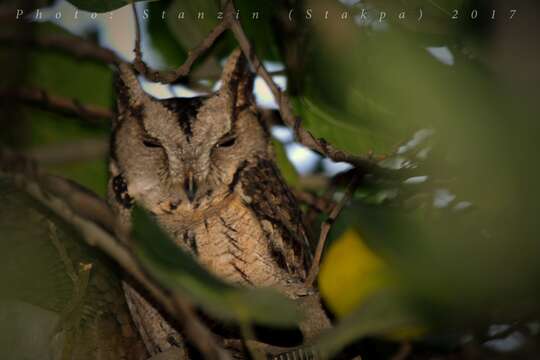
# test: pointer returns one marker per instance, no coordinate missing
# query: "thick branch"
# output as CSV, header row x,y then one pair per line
x,y
93,218
71,107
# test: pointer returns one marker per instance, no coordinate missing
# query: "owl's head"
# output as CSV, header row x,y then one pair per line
x,y
180,153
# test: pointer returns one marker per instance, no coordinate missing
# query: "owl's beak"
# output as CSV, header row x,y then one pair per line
x,y
190,186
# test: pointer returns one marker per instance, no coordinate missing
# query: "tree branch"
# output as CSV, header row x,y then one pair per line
x,y
302,135
167,77
72,45
318,203
327,225
231,22
86,49
81,150
71,107
95,221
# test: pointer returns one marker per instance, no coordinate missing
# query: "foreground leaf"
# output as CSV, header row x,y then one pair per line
x,y
83,81
182,274
58,295
101,5
380,315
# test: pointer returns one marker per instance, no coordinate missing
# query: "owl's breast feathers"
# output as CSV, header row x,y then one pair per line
x,y
255,236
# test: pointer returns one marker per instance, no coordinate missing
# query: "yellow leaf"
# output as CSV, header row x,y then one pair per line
x,y
350,273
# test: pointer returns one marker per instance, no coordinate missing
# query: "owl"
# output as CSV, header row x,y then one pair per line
x,y
204,167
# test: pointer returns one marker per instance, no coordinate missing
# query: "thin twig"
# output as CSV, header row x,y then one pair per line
x,y
167,77
327,225
93,218
318,203
249,341
71,107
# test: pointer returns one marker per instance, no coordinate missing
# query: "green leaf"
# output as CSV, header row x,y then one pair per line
x,y
198,18
31,269
182,274
161,36
102,5
258,18
436,26
366,102
364,88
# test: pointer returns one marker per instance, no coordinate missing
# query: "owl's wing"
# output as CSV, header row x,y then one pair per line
x,y
269,197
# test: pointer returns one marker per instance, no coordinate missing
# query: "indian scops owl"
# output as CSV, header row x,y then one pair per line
x,y
204,167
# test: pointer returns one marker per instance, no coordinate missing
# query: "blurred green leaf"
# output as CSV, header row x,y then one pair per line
x,y
370,88
382,314
86,82
31,269
63,75
180,272
163,39
102,5
199,18
436,26
258,18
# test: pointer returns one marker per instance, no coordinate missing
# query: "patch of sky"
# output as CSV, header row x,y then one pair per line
x,y
443,54
442,198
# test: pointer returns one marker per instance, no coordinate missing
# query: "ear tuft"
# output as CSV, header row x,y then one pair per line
x,y
128,87
237,80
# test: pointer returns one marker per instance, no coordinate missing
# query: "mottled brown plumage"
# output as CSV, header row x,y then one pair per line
x,y
205,168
